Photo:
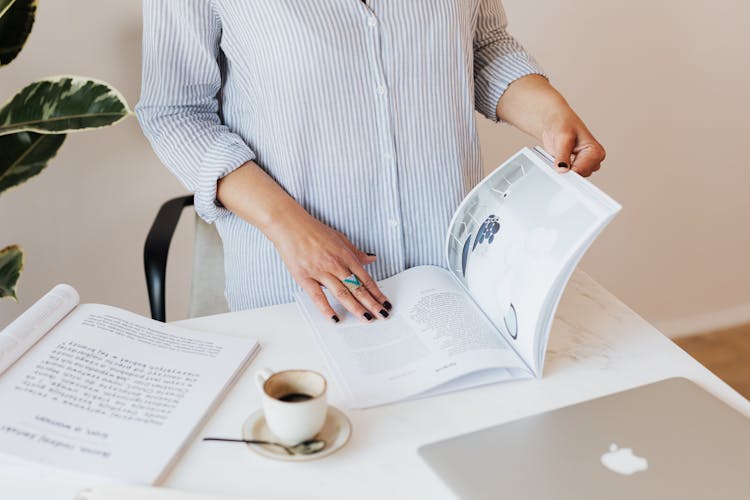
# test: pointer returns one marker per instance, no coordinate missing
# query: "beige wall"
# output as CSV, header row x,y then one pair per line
x,y
83,221
663,85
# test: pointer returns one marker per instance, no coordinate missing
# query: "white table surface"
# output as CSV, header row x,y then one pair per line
x,y
598,346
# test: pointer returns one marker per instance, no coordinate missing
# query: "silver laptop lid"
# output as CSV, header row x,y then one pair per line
x,y
670,439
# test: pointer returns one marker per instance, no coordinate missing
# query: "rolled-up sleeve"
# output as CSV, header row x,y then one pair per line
x,y
179,108
499,59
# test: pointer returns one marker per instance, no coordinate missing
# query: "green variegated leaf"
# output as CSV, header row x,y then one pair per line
x,y
24,155
63,104
16,20
11,263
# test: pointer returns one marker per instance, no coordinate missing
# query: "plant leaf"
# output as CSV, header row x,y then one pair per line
x,y
63,104
24,155
16,21
11,263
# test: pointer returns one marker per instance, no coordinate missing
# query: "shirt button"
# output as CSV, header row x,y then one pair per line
x,y
381,89
393,223
372,21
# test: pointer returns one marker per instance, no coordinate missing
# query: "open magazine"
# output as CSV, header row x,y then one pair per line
x,y
106,392
510,249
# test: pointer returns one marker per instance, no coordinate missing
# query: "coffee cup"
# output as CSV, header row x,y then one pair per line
x,y
294,403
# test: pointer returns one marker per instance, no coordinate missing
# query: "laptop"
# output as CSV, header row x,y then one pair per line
x,y
670,439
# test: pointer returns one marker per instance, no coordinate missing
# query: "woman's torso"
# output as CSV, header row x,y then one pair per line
x,y
364,114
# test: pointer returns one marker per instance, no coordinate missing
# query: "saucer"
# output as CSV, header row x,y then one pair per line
x,y
335,432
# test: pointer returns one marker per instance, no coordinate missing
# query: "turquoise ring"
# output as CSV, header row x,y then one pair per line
x,y
351,282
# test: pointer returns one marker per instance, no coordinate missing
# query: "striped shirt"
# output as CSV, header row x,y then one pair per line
x,y
362,111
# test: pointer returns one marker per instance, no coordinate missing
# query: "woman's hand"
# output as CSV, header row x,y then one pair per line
x,y
317,255
573,146
534,106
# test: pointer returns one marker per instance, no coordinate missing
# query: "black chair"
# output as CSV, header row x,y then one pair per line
x,y
156,249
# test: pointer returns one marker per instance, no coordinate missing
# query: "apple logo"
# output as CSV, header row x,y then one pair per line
x,y
623,461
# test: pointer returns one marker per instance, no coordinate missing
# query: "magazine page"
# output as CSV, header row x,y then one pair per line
x,y
435,334
111,393
553,299
34,323
512,238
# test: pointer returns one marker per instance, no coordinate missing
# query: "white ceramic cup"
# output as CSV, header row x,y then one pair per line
x,y
293,421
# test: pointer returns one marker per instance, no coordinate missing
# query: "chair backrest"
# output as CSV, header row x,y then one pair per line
x,y
207,275
207,280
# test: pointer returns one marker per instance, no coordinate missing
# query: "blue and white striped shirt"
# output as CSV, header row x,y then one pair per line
x,y
364,113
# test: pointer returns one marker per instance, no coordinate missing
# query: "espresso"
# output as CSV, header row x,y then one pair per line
x,y
295,397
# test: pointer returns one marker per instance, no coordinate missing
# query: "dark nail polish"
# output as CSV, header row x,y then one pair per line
x,y
562,164
335,318
384,313
371,254
387,305
368,316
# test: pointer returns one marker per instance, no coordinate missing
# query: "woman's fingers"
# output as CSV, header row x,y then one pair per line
x,y
361,293
315,292
589,158
563,150
359,302
347,298
369,284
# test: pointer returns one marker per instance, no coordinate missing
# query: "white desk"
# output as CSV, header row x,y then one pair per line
x,y
598,346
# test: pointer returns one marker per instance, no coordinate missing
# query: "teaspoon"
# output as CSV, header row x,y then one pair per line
x,y
304,448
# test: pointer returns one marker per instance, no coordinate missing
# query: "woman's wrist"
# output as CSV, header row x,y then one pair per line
x,y
283,219
532,104
251,194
